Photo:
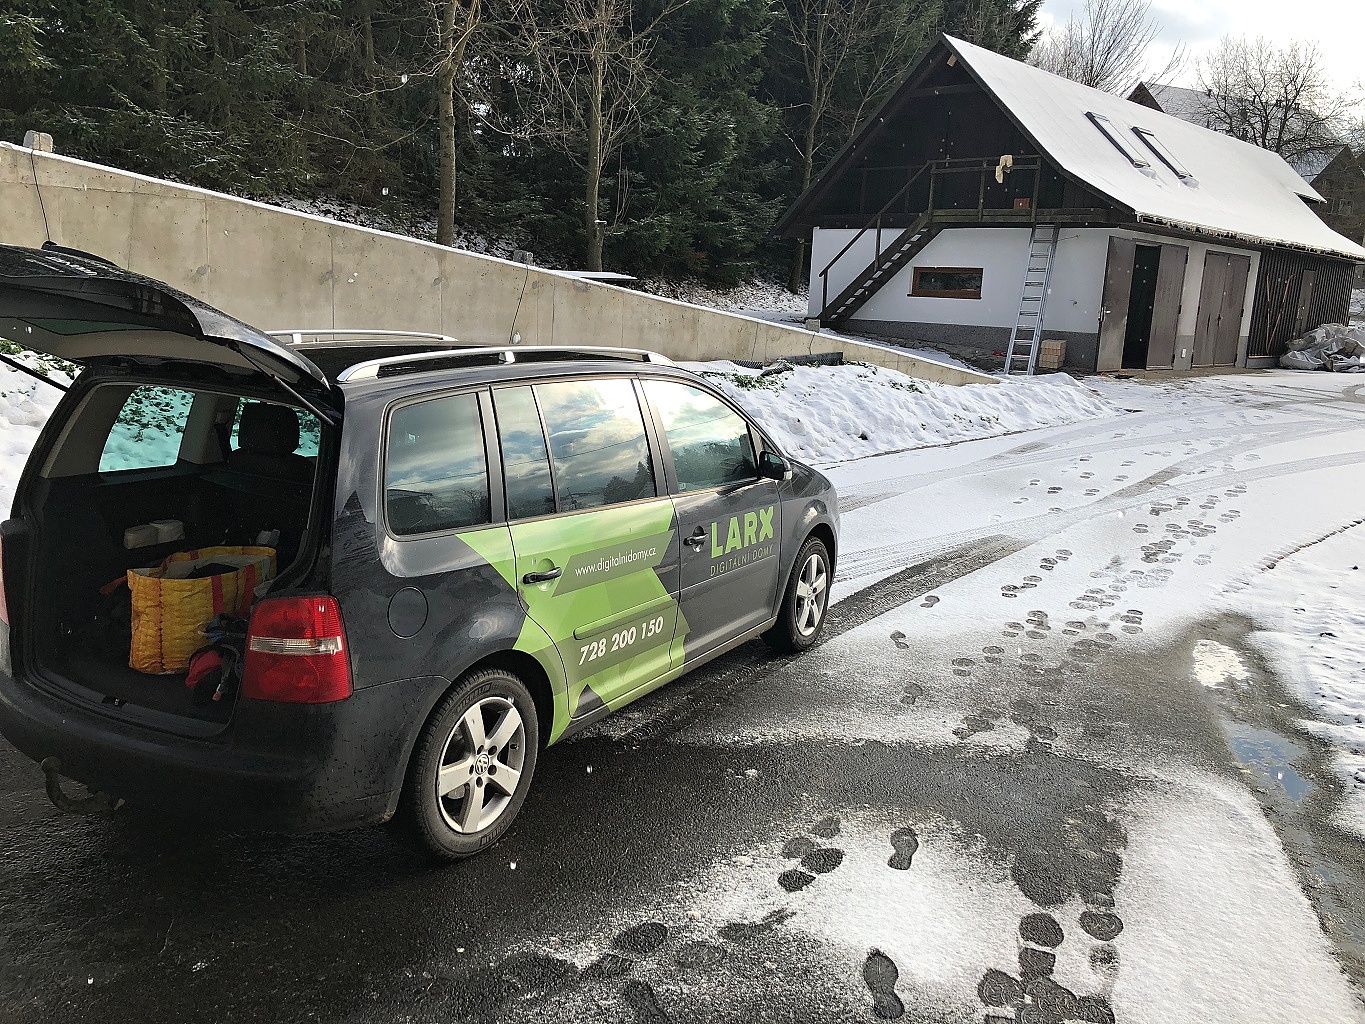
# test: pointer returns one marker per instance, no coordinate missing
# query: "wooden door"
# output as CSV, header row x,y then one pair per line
x,y
1170,284
1230,313
1118,290
1307,282
1210,307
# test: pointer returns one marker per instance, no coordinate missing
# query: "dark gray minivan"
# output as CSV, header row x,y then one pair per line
x,y
480,552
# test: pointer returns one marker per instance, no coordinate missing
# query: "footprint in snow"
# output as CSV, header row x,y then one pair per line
x,y
898,638
747,931
644,1004
880,974
904,842
929,601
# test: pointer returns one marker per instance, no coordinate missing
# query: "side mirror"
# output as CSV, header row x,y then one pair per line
x,y
773,466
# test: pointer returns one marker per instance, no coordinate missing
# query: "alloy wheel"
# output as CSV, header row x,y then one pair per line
x,y
481,765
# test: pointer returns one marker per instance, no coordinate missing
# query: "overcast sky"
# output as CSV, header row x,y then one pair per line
x,y
1336,26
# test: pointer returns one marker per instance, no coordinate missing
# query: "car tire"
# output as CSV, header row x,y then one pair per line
x,y
457,800
805,603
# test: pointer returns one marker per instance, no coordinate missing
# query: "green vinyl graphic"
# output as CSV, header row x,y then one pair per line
x,y
612,615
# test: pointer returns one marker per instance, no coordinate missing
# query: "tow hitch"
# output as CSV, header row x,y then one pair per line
x,y
95,803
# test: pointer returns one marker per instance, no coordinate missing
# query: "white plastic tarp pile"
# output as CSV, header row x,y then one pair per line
x,y
1333,347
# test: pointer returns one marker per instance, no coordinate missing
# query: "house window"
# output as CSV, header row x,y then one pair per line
x,y
1111,133
947,282
1163,154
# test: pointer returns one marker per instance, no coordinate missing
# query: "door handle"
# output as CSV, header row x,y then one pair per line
x,y
696,540
532,578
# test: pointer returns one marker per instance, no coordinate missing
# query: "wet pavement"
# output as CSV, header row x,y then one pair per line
x,y
1036,771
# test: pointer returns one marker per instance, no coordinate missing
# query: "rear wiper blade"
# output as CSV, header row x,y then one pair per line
x,y
38,375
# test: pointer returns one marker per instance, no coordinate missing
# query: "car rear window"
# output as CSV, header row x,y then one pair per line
x,y
436,469
148,431
597,442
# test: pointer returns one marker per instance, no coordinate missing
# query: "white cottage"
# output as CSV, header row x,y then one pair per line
x,y
986,198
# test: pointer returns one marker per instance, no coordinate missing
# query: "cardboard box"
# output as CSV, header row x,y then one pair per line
x,y
1052,355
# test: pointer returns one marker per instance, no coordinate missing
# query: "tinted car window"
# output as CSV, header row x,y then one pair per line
x,y
711,445
148,431
436,474
525,462
597,441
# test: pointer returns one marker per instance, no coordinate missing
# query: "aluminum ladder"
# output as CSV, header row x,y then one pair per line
x,y
1026,340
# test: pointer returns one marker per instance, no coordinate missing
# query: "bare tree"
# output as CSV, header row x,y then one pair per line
x,y
1278,97
586,81
455,23
1106,48
852,53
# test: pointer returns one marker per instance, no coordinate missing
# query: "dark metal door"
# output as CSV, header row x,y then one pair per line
x,y
1118,289
1307,282
1230,315
1210,307
1170,283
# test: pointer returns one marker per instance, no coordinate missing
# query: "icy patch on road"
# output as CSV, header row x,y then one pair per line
x,y
826,414
1312,604
1216,666
1208,889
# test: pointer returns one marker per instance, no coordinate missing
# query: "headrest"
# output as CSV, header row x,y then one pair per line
x,y
268,429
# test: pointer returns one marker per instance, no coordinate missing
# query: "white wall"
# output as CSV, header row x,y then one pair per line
x,y
1074,297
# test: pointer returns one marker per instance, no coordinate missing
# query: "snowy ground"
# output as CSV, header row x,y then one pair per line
x,y
25,404
1065,594
827,414
1069,751
1311,603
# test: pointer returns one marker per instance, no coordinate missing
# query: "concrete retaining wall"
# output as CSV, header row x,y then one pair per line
x,y
282,270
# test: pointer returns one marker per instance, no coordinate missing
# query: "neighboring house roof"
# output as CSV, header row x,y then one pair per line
x,y
1311,165
1187,104
1236,189
1196,107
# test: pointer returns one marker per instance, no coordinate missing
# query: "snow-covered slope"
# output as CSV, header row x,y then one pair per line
x,y
25,404
825,414
1311,600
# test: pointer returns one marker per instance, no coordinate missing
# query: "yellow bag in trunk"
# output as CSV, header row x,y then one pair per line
x,y
170,611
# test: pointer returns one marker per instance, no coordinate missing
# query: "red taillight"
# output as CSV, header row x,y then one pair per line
x,y
4,608
296,652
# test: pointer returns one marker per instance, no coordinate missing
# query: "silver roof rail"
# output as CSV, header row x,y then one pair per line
x,y
374,368
340,338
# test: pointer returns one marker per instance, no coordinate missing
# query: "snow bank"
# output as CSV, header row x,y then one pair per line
x,y
825,414
25,404
1312,603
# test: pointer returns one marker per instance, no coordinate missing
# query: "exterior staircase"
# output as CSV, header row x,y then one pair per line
x,y
885,264
1026,340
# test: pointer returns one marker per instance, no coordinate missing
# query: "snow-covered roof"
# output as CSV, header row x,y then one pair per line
x,y
1197,108
1234,189
1187,104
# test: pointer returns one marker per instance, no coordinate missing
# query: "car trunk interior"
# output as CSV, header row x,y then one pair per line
x,y
230,469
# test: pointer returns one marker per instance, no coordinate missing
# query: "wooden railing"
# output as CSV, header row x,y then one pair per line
x,y
937,171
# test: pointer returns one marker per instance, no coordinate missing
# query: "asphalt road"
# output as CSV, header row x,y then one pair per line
x,y
994,792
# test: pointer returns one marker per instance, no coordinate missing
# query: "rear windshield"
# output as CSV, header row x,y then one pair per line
x,y
122,428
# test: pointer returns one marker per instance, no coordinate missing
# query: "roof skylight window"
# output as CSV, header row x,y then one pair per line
x,y
1163,154
1111,133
